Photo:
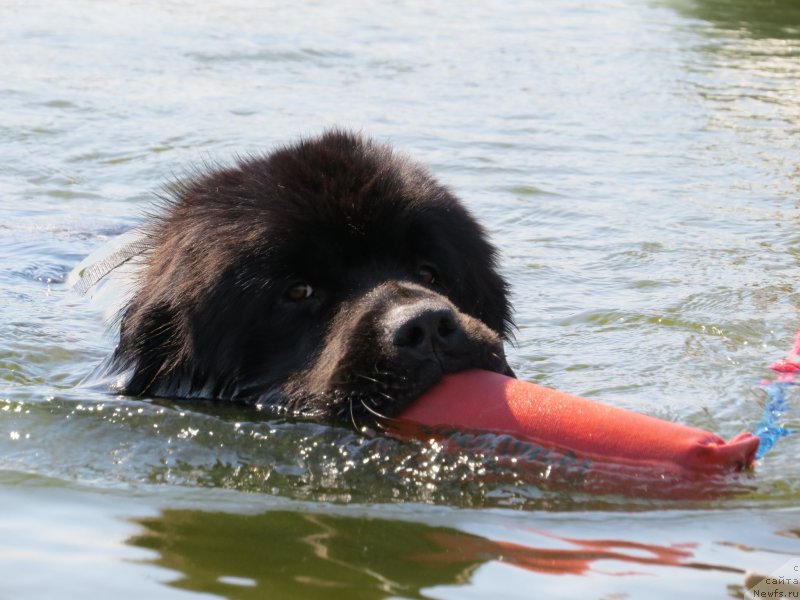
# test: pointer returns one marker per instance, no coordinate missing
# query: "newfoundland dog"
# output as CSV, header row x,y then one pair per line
x,y
331,279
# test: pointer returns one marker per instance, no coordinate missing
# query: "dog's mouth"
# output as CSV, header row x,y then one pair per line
x,y
367,399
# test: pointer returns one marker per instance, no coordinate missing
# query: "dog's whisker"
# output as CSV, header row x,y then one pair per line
x,y
375,412
372,379
352,415
378,371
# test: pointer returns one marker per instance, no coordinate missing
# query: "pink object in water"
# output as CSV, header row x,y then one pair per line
x,y
611,445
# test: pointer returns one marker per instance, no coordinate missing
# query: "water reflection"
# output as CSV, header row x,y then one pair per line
x,y
746,63
741,60
759,18
286,554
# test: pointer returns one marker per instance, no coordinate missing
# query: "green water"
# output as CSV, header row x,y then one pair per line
x,y
637,164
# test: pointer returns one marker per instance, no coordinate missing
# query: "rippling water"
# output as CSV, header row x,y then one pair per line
x,y
637,163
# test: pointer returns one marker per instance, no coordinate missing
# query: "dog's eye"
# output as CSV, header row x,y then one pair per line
x,y
427,274
299,291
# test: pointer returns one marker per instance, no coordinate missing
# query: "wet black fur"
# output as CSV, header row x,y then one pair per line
x,y
210,316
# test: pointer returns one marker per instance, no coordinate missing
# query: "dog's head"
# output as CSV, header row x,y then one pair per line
x,y
332,277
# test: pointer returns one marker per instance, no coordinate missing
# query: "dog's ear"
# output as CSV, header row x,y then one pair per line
x,y
147,348
491,304
480,290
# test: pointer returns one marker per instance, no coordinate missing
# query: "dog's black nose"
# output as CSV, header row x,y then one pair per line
x,y
422,329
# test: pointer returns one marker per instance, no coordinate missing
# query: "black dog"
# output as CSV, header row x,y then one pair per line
x,y
331,279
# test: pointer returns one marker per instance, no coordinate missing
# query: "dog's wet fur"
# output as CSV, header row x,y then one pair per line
x,y
331,279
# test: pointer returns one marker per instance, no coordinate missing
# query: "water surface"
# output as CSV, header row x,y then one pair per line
x,y
635,161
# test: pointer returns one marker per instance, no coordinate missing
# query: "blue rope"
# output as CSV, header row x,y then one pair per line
x,y
769,430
